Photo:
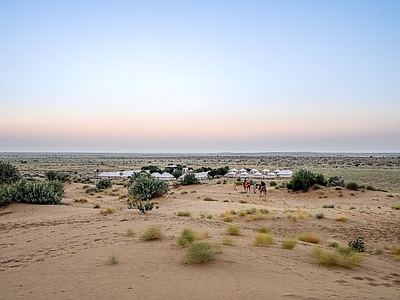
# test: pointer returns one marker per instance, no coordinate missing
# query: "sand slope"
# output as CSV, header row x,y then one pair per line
x,y
62,252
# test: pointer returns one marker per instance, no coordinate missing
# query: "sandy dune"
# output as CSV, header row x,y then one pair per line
x,y
62,252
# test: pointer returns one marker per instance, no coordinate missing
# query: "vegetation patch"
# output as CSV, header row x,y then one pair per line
x,y
233,229
200,252
288,243
340,256
185,213
263,239
310,237
153,232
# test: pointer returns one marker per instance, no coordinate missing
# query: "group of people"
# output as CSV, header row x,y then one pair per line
x,y
262,187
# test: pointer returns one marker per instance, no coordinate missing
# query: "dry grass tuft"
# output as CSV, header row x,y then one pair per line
x,y
340,256
263,239
288,243
183,213
310,237
153,232
107,211
200,252
341,218
233,229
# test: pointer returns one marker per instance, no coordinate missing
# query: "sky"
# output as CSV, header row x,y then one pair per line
x,y
200,76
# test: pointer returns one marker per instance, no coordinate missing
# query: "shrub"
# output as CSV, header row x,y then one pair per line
x,y
91,189
107,211
113,259
103,184
185,213
272,183
187,237
357,245
7,195
335,181
319,215
189,179
39,192
310,237
56,175
288,243
353,186
8,173
200,252
339,256
144,188
341,218
233,229
264,229
263,239
153,232
302,180
228,218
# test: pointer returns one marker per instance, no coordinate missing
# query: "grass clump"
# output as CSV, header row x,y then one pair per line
x,y
288,243
107,211
340,256
396,207
264,210
319,215
183,213
187,237
200,252
209,199
153,232
113,259
263,239
233,229
341,218
228,241
264,229
183,192
130,232
81,200
310,237
228,218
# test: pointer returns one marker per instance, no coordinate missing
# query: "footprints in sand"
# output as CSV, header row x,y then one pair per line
x,y
387,281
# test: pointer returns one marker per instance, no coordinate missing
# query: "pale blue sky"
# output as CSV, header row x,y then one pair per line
x,y
200,76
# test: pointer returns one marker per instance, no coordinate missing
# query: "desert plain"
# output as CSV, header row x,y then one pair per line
x,y
78,251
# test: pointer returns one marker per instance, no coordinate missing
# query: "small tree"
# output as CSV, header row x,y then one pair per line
x,y
302,180
189,179
8,173
55,175
104,184
144,188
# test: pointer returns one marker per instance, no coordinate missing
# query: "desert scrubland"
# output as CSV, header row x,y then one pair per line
x,y
94,247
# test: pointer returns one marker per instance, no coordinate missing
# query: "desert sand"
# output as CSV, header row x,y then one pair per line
x,y
63,251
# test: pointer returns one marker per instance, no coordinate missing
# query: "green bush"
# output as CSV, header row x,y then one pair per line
x,y
335,181
200,252
8,173
353,186
56,175
144,188
7,195
273,183
357,245
302,180
104,184
190,178
321,180
39,192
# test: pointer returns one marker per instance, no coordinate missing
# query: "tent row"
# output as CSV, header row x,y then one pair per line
x,y
264,174
164,176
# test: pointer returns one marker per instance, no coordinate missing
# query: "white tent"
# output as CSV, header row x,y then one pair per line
x,y
252,171
243,175
166,176
201,175
234,170
231,174
156,175
257,175
265,171
242,171
285,174
271,175
116,174
277,171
